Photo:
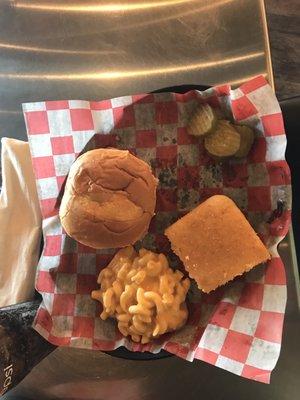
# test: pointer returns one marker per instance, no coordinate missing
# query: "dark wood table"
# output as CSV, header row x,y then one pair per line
x,y
283,19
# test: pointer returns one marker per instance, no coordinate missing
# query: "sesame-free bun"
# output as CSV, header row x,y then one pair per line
x,y
109,199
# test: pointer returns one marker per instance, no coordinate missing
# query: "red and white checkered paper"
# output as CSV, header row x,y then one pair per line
x,y
237,327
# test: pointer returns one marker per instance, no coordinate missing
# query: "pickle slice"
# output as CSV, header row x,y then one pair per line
x,y
203,121
247,138
224,141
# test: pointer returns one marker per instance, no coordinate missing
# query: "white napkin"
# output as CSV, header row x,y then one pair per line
x,y
20,224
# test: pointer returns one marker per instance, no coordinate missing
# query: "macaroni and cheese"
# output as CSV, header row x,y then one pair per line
x,y
143,293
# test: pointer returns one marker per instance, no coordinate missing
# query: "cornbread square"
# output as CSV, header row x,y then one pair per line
x,y
216,243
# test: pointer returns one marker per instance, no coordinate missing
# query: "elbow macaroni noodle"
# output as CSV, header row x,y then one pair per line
x,y
143,293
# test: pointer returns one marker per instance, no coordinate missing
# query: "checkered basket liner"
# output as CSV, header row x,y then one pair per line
x,y
237,327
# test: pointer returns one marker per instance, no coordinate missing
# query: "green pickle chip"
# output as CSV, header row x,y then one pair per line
x,y
247,138
203,121
224,141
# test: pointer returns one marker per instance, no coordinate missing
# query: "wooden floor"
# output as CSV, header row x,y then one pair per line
x,y
284,32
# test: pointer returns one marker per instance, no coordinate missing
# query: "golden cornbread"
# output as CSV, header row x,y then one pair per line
x,y
216,243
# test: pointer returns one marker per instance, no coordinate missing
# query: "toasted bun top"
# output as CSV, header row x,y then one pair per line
x,y
109,199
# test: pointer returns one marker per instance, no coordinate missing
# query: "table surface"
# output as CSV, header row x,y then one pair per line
x,y
53,50
284,33
58,50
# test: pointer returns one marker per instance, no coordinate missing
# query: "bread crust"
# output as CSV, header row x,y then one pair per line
x,y
109,199
216,243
